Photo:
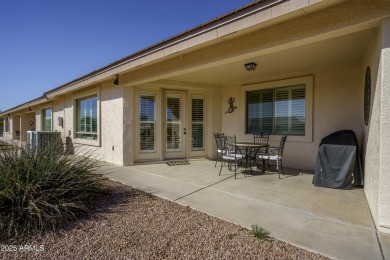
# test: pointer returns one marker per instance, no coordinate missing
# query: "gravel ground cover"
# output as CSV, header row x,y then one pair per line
x,y
131,224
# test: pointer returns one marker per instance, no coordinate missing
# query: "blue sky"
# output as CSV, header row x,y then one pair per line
x,y
46,43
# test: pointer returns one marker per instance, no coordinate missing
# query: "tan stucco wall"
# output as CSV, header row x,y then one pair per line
x,y
384,190
128,126
112,124
371,149
337,105
110,146
26,124
215,120
117,124
377,133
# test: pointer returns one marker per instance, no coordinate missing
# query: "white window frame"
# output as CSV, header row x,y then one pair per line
x,y
307,81
75,98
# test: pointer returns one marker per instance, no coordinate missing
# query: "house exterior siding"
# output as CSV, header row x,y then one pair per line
x,y
289,40
377,133
337,104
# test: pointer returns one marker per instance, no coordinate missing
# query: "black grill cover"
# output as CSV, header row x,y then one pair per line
x,y
338,162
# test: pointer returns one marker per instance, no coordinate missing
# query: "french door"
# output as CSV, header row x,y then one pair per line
x,y
175,125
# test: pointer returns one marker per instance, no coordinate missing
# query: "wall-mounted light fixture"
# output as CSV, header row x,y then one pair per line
x,y
250,66
116,81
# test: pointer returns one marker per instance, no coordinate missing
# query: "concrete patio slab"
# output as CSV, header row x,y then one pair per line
x,y
335,223
385,244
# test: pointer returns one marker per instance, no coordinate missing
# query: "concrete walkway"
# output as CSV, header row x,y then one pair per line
x,y
335,223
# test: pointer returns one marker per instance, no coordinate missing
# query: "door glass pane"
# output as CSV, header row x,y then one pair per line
x,y
173,124
147,122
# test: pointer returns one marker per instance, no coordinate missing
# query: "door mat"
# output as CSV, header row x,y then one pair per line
x,y
174,163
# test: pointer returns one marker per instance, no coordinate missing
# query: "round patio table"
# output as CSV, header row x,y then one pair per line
x,y
251,150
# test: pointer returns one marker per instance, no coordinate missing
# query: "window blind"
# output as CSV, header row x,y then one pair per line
x,y
147,122
197,139
298,110
260,111
173,124
282,111
279,111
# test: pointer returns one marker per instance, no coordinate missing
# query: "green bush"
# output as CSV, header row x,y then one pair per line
x,y
42,189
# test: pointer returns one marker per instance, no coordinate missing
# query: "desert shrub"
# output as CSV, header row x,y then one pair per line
x,y
42,189
259,232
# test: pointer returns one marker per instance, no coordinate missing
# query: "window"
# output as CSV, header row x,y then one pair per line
x,y
46,119
6,124
278,111
197,138
87,120
147,113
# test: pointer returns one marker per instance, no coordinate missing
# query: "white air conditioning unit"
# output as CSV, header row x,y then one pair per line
x,y
40,139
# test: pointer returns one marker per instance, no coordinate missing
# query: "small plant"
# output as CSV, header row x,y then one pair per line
x,y
259,232
41,189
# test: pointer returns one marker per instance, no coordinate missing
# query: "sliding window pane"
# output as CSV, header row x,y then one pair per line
x,y
260,111
290,111
298,111
282,111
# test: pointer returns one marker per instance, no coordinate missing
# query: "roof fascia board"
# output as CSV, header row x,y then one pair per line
x,y
33,102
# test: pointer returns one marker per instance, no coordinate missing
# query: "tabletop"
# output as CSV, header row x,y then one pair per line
x,y
250,144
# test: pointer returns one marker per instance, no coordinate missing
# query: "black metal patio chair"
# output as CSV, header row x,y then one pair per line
x,y
231,154
275,154
219,139
261,138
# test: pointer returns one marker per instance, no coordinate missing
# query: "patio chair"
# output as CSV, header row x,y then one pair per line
x,y
261,138
275,154
219,138
231,154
